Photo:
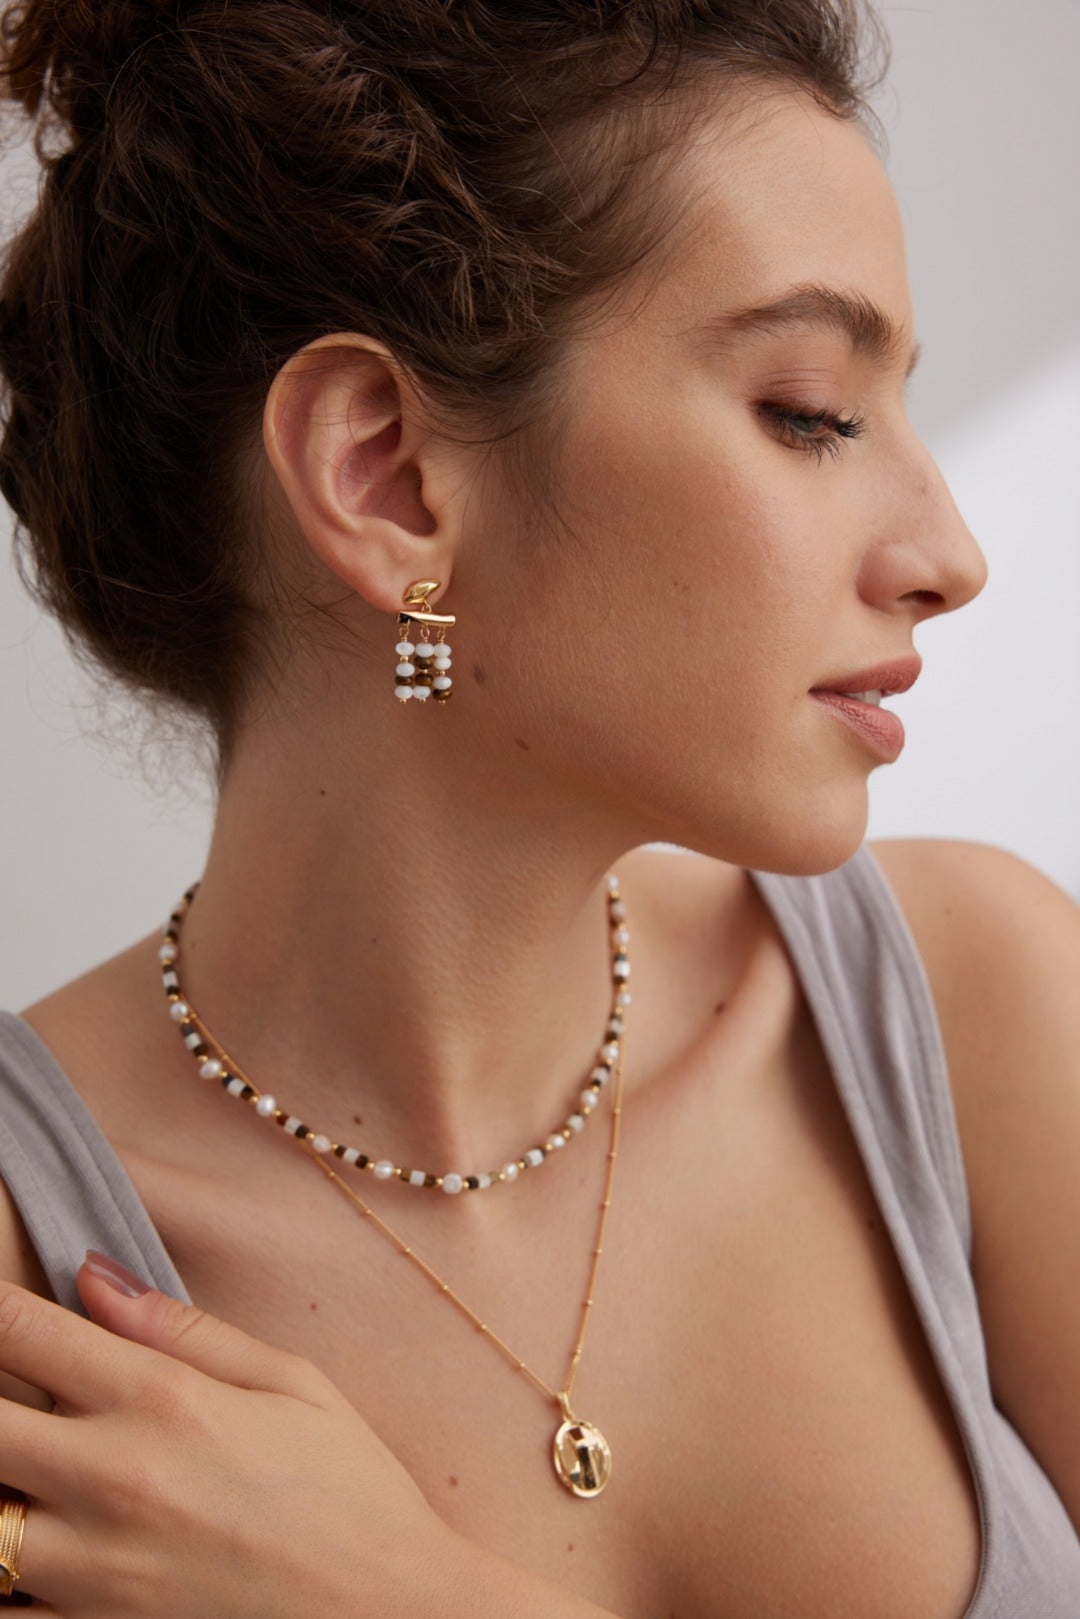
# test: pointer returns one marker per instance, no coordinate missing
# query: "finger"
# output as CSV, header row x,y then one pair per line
x,y
82,1367
42,1454
189,1334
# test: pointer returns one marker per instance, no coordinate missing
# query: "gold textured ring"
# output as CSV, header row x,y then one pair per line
x,y
12,1524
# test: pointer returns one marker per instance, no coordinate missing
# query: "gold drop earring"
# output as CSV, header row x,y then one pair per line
x,y
423,668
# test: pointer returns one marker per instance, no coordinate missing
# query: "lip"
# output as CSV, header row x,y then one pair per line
x,y
899,675
880,729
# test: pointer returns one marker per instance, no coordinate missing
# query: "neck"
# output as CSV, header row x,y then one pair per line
x,y
423,970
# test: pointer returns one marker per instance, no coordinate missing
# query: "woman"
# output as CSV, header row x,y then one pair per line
x,y
583,327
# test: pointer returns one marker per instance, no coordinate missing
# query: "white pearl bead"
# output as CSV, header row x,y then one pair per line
x,y
383,1169
510,1171
576,1122
622,937
235,1086
555,1142
321,1143
615,1024
404,669
266,1106
443,649
179,1010
442,682
617,911
601,1074
351,1155
425,650
452,1183
613,883
404,648
610,1051
168,952
441,663
210,1069
403,693
416,1177
422,692
533,1157
625,997
588,1100
621,969
484,1181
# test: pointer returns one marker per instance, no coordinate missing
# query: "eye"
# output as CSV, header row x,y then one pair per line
x,y
815,432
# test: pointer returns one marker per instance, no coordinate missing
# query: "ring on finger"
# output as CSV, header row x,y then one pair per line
x,y
12,1524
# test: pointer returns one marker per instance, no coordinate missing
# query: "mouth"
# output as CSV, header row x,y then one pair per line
x,y
872,697
869,686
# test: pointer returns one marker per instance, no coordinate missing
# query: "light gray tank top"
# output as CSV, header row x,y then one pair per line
x,y
869,995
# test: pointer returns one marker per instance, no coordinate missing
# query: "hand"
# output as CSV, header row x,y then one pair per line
x,y
189,1469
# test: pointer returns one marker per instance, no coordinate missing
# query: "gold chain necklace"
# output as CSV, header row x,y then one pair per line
x,y
581,1454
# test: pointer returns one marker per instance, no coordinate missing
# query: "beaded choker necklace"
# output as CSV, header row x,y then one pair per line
x,y
580,1454
214,1062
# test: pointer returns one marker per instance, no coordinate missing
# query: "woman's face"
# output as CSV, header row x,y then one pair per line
x,y
751,513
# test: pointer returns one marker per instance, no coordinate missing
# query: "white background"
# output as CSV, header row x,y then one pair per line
x,y
981,113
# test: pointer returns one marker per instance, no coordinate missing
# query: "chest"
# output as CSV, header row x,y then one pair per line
x,y
781,1443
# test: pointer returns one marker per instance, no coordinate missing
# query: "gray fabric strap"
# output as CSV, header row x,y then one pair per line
x,y
71,1190
869,992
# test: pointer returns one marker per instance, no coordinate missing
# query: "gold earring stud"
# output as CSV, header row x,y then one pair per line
x,y
423,668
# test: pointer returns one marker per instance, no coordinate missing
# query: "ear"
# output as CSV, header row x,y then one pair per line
x,y
370,484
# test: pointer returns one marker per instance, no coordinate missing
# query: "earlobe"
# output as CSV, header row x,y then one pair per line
x,y
340,434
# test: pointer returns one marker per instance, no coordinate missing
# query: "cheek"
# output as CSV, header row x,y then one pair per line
x,y
676,621
694,528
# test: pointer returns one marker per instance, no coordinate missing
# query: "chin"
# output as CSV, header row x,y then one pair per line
x,y
817,837
812,851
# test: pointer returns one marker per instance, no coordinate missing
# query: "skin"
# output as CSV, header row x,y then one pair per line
x,y
394,905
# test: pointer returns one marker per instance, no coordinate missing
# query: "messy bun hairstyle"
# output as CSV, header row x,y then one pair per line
x,y
226,180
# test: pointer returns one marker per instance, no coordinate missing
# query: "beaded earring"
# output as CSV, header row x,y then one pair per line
x,y
424,667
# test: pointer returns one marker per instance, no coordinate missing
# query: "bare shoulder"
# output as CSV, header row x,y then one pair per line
x,y
1001,945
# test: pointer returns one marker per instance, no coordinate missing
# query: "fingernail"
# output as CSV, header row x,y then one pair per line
x,y
117,1276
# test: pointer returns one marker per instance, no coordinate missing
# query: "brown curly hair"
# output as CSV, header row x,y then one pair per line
x,y
226,180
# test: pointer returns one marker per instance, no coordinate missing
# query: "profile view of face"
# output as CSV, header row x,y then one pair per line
x,y
746,511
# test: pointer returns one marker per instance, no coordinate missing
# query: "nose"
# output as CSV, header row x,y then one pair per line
x,y
931,560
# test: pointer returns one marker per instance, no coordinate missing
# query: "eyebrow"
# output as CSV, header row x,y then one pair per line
x,y
867,327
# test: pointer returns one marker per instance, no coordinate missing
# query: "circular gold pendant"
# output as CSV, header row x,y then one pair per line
x,y
582,1458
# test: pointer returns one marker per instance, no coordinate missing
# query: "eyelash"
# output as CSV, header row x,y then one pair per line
x,y
796,426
